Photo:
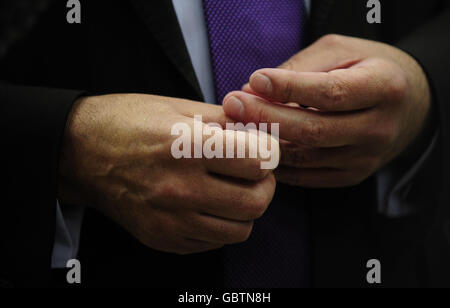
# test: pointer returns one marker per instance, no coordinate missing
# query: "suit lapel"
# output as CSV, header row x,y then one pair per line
x,y
161,20
320,10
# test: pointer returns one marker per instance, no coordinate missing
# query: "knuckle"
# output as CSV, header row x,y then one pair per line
x,y
163,191
393,81
288,65
171,190
311,133
336,91
258,205
243,235
252,209
331,39
262,114
383,135
397,87
288,89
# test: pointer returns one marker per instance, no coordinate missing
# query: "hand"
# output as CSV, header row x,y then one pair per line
x,y
117,158
346,108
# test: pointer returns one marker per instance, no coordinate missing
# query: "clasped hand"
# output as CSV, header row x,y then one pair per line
x,y
346,108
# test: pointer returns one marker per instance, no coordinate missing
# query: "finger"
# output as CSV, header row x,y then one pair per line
x,y
297,156
236,200
245,154
329,53
298,125
325,55
216,230
227,198
248,89
341,90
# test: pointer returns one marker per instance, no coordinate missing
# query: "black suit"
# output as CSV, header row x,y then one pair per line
x,y
136,46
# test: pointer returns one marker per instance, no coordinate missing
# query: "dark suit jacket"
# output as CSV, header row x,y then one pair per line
x,y
136,46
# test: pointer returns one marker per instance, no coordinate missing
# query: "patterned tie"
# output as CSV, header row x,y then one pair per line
x,y
246,35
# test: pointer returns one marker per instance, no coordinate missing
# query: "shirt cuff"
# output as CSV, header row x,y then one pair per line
x,y
67,234
394,187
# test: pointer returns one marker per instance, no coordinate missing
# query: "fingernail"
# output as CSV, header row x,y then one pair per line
x,y
234,108
261,83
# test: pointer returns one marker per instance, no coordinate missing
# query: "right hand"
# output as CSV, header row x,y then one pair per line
x,y
116,157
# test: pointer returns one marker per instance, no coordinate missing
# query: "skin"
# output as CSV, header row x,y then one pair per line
x,y
346,107
116,157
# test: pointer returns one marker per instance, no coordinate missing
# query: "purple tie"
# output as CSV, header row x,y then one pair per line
x,y
246,35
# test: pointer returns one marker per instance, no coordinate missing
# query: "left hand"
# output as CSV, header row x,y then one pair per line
x,y
346,108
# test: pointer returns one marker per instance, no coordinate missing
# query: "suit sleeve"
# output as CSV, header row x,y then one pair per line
x,y
430,45
33,120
